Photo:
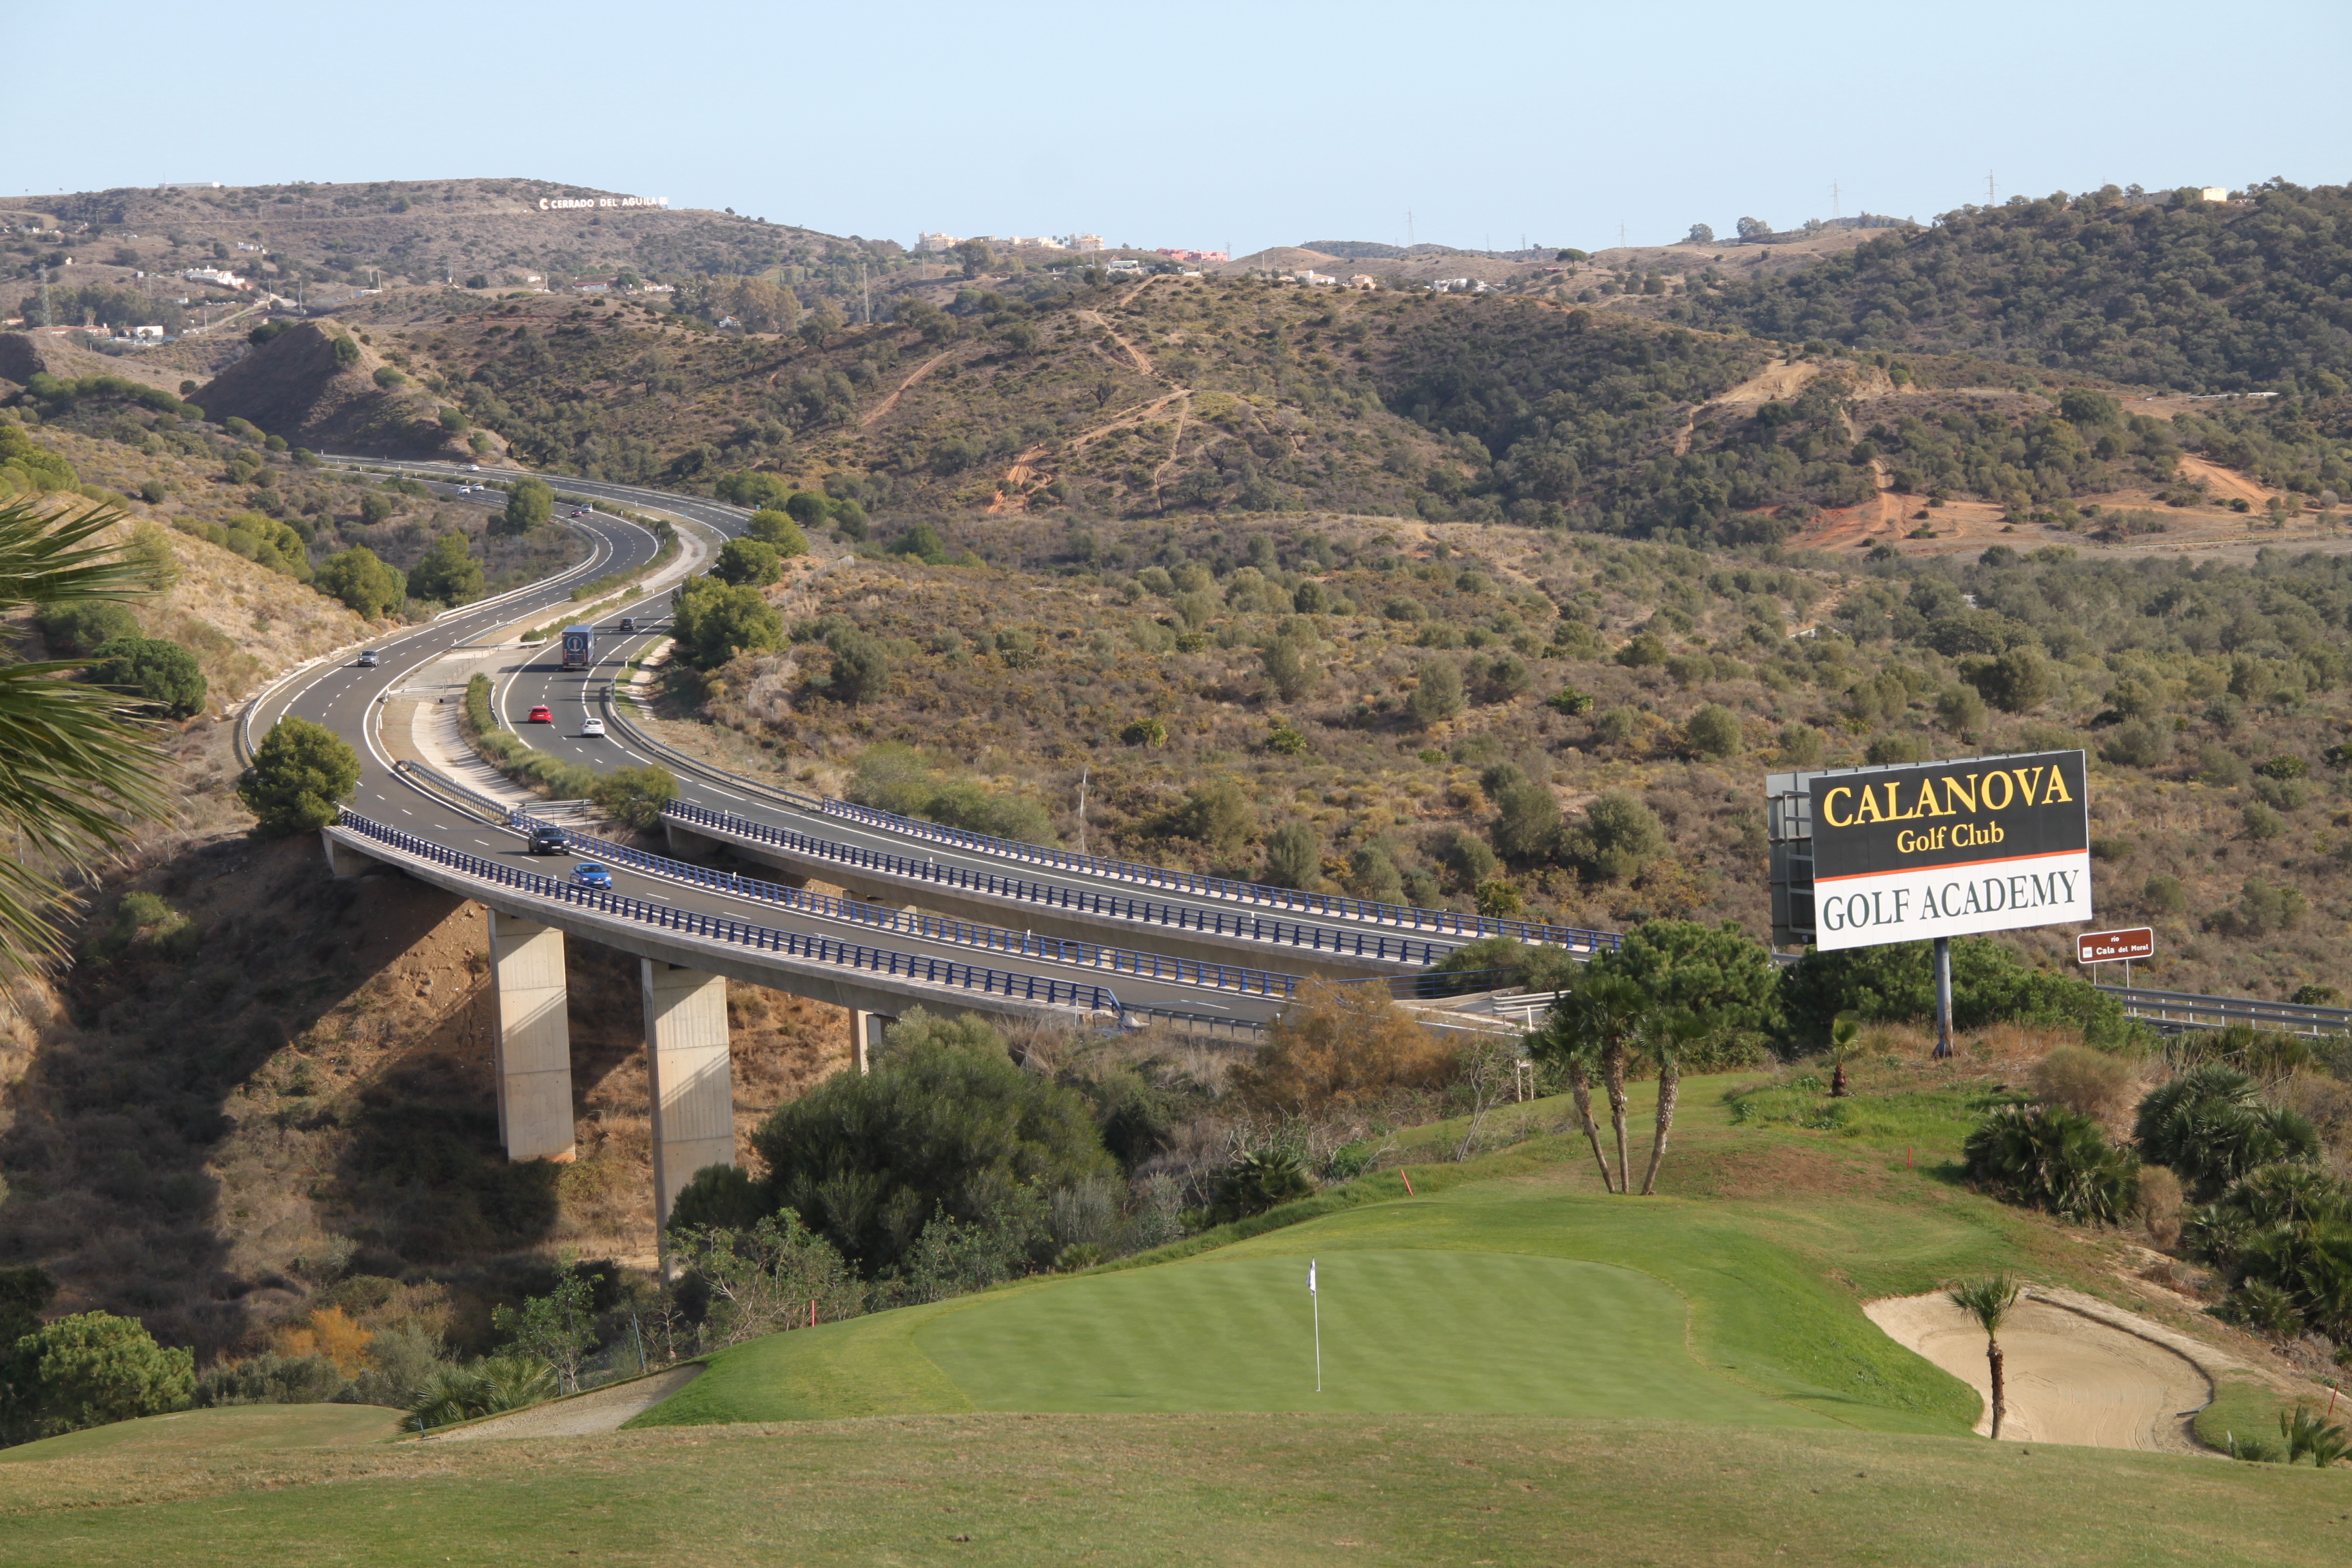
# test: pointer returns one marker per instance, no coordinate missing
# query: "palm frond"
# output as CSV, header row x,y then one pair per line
x,y
48,558
79,764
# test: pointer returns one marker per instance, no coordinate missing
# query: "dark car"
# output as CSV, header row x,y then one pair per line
x,y
545,838
628,623
588,874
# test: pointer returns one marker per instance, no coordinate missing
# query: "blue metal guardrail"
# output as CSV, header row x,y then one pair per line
x,y
1448,922
1106,906
936,928
941,972
940,928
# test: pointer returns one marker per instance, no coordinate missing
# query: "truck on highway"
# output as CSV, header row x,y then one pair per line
x,y
578,646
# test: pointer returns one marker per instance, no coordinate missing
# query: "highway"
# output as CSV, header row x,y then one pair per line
x,y
341,695
344,696
571,698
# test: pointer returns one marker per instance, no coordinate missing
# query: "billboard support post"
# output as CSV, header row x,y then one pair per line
x,y
1943,998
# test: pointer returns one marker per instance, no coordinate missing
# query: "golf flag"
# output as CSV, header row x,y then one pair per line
x,y
1316,1297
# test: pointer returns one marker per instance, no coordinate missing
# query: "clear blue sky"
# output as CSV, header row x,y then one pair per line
x,y
1204,123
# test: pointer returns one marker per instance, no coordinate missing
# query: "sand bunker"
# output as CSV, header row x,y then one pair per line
x,y
2072,1377
598,1410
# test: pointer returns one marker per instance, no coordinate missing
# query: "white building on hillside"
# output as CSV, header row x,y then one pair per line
x,y
934,243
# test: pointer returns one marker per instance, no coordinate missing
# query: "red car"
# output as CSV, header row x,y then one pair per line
x,y
540,715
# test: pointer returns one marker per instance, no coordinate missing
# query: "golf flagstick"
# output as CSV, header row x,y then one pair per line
x,y
1316,1297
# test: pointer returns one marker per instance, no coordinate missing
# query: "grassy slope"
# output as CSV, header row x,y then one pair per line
x,y
1770,1288
1150,1491
1840,1222
230,1429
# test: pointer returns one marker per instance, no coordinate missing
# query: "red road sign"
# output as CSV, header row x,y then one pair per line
x,y
2109,946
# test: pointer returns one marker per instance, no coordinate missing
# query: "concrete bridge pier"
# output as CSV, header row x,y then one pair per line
x,y
532,1061
691,1073
866,1035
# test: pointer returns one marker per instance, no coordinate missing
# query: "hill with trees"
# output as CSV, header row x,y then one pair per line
x,y
2254,293
1075,397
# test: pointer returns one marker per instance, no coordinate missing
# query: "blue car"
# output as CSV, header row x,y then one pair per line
x,y
588,874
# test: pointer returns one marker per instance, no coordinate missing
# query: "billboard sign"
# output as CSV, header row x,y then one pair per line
x,y
2115,946
1952,849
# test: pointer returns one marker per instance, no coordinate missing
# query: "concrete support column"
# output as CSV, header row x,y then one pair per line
x,y
693,1090
866,1035
533,1059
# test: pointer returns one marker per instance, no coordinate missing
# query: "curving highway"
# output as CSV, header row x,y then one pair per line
x,y
342,696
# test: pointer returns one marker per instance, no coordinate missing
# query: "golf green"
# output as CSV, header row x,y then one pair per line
x,y
1403,1331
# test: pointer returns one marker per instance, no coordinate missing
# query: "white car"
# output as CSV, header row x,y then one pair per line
x,y
593,729
473,467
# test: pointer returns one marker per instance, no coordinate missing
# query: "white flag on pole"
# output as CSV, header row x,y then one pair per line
x,y
1316,1298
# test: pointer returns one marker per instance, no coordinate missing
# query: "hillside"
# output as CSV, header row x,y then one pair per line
x,y
304,386
1184,397
1221,684
2178,292
331,245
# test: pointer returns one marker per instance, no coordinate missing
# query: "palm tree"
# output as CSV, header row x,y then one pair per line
x,y
1577,1035
78,765
1592,1028
1665,1036
1990,1300
1844,1030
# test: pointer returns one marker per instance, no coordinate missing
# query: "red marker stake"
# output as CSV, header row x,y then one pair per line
x,y
1408,1180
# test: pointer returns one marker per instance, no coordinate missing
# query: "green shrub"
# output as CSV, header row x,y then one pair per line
x,y
363,581
157,671
1617,838
1713,731
82,625
301,773
779,531
2209,1127
1895,982
716,621
448,573
634,795
860,670
1438,697
945,1126
748,562
530,504
90,1369
2048,1157
1294,856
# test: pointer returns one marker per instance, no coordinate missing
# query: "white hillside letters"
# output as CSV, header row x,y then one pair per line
x,y
1949,850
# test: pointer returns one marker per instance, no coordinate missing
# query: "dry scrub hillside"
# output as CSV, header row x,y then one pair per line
x,y
258,1091
1187,398
298,386
330,238
273,1095
203,478
1215,686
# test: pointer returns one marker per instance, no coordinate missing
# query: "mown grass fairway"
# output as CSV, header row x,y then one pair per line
x,y
1803,1434
1020,1491
1533,1293
225,1430
1403,1331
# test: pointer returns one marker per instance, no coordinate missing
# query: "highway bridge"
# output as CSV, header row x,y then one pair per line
x,y
929,915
